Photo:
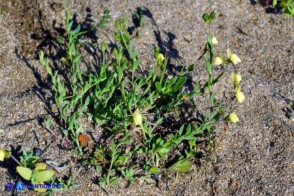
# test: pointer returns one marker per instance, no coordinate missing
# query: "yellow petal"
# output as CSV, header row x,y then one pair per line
x,y
160,58
229,53
233,117
218,61
235,59
2,155
236,78
214,40
240,96
137,118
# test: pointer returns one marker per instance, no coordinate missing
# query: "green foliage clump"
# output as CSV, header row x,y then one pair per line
x,y
287,6
140,110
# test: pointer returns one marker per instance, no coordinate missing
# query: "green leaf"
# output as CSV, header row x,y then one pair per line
x,y
156,52
76,59
182,166
179,84
158,87
189,128
205,17
113,181
77,30
191,67
68,27
212,15
158,140
171,82
163,151
133,54
154,170
136,64
181,130
42,175
112,145
24,172
208,18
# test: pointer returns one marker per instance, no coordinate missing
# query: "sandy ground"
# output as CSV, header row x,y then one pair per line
x,y
254,157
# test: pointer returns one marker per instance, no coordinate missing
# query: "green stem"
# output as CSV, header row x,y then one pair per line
x,y
163,72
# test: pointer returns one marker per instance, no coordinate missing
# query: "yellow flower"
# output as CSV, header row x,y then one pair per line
x,y
2,155
214,40
137,118
239,95
160,58
184,97
218,61
233,117
233,57
236,78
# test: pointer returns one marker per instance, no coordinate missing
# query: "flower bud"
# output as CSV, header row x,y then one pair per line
x,y
236,78
239,95
233,117
160,59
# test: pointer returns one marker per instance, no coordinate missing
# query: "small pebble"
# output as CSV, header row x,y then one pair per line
x,y
37,152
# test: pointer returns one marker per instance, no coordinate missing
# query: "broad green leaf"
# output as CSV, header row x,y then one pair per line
x,y
158,140
113,181
154,170
24,172
158,87
163,151
182,166
121,160
42,175
181,81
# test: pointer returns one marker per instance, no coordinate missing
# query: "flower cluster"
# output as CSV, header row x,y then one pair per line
x,y
236,78
232,58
